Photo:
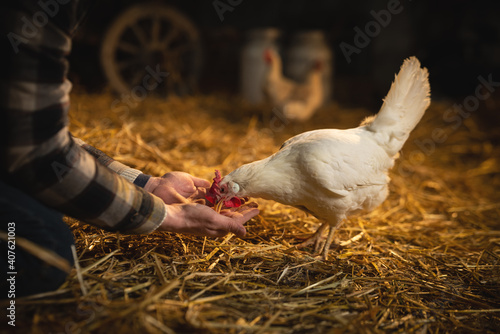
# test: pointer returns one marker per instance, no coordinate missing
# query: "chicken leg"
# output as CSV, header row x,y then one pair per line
x,y
328,242
316,240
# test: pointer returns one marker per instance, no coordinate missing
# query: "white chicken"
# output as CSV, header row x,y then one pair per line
x,y
335,173
297,101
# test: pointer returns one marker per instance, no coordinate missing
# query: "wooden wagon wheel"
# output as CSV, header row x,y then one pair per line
x,y
149,37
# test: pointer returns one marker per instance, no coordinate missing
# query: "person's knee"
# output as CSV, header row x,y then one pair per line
x,y
44,277
24,217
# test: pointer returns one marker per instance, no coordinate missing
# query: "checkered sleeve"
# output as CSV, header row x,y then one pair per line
x,y
38,154
133,175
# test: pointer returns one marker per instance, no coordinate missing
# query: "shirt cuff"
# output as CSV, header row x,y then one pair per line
x,y
141,180
130,174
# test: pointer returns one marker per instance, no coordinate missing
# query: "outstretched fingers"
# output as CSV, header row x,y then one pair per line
x,y
236,217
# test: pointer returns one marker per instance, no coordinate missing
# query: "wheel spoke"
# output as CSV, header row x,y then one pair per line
x,y
123,64
139,33
155,30
169,37
128,47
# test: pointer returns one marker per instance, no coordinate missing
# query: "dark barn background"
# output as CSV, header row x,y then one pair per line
x,y
456,40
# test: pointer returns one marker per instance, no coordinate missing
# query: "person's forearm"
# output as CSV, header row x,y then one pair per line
x,y
133,175
37,153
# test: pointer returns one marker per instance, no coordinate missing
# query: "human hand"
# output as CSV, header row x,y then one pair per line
x,y
177,187
199,219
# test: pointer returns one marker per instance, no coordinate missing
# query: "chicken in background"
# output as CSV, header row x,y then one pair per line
x,y
332,173
297,101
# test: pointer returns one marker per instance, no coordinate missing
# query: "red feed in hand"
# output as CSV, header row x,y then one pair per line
x,y
214,195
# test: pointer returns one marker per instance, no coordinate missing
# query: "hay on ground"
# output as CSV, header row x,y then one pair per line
x,y
426,261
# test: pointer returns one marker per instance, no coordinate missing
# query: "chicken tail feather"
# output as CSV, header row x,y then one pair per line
x,y
403,107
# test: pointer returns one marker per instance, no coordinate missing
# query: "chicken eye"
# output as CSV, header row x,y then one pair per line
x,y
236,188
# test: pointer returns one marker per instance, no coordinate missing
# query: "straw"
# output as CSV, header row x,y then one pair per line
x,y
426,261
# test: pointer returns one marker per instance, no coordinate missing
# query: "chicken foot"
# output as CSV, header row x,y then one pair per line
x,y
316,238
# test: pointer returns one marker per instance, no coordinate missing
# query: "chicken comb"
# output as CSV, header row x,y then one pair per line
x,y
317,65
213,195
268,56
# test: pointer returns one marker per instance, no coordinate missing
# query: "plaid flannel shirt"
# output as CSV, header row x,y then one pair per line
x,y
38,154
